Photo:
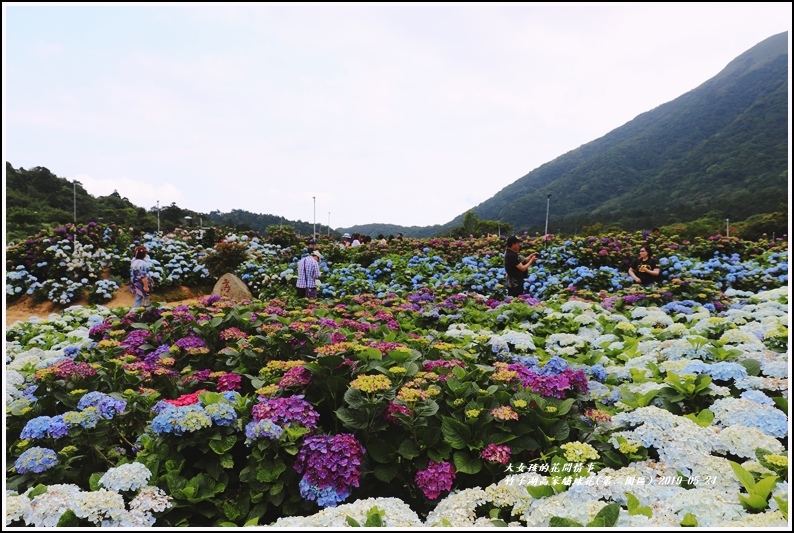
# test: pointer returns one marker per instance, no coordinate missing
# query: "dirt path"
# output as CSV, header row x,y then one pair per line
x,y
24,308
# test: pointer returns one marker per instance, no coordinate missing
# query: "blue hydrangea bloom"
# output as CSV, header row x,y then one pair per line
x,y
36,460
325,497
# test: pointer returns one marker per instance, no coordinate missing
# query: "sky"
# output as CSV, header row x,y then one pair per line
x,y
343,113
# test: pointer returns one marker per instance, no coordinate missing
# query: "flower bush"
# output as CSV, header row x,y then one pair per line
x,y
408,396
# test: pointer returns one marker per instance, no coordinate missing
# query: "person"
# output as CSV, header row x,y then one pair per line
x,y
141,282
644,270
308,274
516,266
355,241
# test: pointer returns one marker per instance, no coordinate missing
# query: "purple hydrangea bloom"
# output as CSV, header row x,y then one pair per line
x,y
229,382
107,405
435,479
330,467
187,343
283,411
58,427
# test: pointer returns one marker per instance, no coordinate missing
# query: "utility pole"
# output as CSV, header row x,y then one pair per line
x,y
314,234
329,223
727,227
158,216
548,202
74,184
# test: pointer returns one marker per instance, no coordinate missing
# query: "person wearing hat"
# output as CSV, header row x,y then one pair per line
x,y
345,240
516,266
141,283
308,274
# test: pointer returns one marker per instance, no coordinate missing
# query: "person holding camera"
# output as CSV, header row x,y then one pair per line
x,y
516,266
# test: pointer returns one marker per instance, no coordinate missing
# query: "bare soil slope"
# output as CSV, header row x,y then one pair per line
x,y
25,307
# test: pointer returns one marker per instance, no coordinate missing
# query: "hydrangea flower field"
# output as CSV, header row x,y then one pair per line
x,y
411,393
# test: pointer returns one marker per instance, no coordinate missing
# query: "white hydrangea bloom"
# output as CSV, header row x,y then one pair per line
x,y
775,369
47,508
676,329
457,509
642,388
678,440
711,507
769,519
541,511
129,476
677,349
98,505
15,506
742,441
151,499
741,336
715,473
676,367
762,383
396,514
732,411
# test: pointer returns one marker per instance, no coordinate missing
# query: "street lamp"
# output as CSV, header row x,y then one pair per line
x,y
314,233
548,202
727,227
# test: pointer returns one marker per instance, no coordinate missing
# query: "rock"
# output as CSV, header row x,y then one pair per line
x,y
230,287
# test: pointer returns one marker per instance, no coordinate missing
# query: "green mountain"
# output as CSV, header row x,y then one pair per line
x,y
720,150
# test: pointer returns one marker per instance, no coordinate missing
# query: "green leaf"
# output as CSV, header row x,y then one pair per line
x,y
609,514
352,522
426,408
780,402
252,522
385,473
353,418
689,521
540,491
631,502
227,461
355,398
68,519
745,477
558,521
782,506
374,518
752,366
39,489
381,451
753,502
466,463
765,486
93,481
634,507
456,433
408,449
223,445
